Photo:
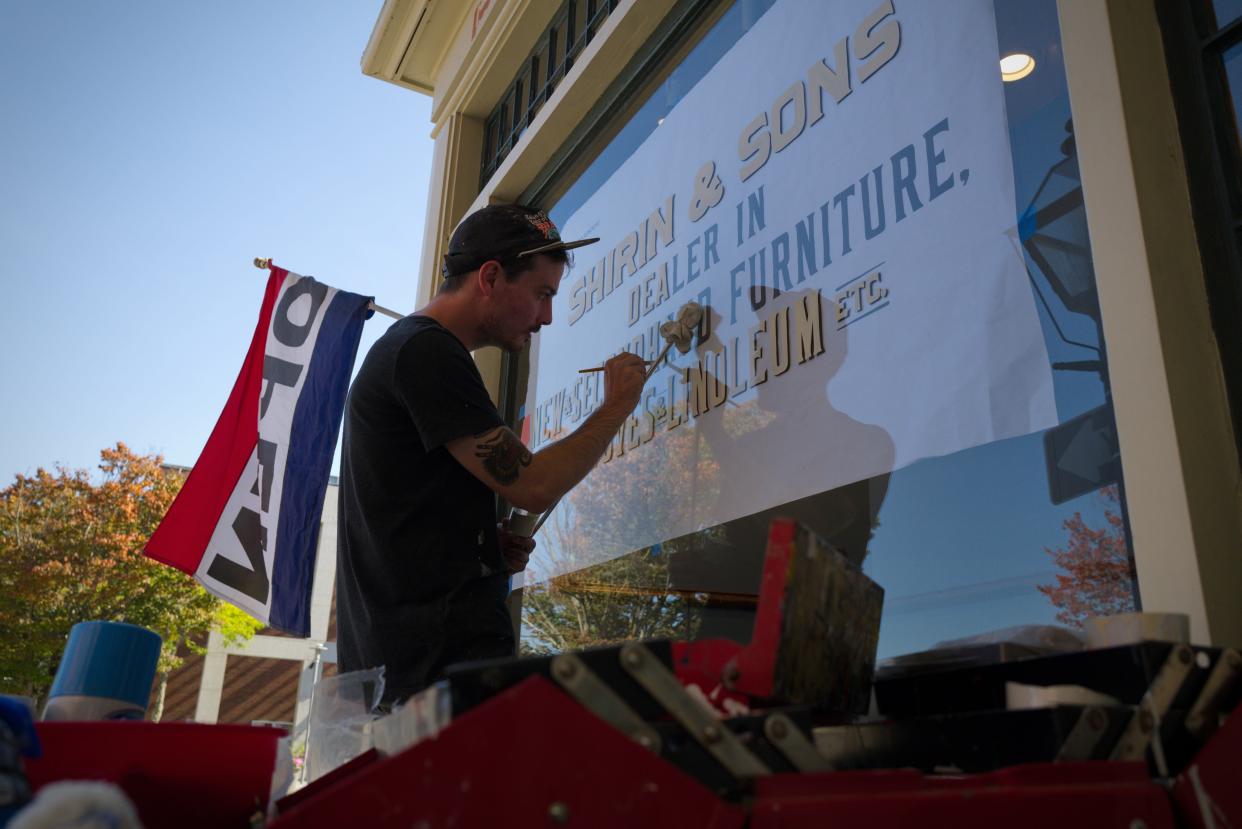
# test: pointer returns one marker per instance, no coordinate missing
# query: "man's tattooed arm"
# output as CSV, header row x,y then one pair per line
x,y
503,455
534,482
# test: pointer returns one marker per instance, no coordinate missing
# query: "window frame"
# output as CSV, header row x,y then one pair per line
x,y
1195,48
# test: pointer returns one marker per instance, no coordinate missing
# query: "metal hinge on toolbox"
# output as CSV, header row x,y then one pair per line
x,y
699,721
635,689
1204,715
1145,722
1180,688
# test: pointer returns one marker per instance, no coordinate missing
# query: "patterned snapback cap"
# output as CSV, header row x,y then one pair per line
x,y
503,231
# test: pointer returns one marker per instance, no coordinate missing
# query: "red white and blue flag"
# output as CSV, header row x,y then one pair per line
x,y
246,522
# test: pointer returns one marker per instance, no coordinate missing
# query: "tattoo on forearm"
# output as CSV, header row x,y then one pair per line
x,y
503,456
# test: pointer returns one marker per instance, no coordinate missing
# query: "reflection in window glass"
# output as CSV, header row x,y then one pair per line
x,y
962,544
1233,75
1226,11
735,23
632,597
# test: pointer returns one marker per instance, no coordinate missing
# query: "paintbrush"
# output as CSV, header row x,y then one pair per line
x,y
678,332
601,368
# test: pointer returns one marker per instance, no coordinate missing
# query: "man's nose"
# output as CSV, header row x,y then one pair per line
x,y
545,313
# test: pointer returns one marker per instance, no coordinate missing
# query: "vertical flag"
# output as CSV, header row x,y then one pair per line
x,y
246,522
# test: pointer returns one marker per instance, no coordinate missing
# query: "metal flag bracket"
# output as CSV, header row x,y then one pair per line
x,y
266,264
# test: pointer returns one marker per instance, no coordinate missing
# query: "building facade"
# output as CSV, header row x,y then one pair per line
x,y
971,280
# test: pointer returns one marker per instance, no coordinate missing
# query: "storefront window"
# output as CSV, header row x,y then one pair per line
x,y
1227,11
1233,72
902,342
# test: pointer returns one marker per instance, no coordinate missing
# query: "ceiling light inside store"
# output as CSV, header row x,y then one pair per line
x,y
1017,66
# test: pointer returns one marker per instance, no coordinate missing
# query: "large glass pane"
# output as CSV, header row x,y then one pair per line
x,y
1233,79
1227,11
981,491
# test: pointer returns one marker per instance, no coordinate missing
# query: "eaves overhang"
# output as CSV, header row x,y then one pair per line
x,y
410,39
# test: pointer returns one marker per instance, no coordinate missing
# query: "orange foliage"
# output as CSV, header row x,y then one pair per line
x,y
1098,574
71,551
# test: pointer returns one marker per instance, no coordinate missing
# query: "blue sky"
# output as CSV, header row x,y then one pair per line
x,y
148,152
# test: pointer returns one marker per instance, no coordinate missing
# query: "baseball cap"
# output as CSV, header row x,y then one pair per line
x,y
504,232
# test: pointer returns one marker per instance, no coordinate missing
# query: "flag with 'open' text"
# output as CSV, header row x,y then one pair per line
x,y
246,522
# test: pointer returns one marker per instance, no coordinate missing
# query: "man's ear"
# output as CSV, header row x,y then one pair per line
x,y
489,274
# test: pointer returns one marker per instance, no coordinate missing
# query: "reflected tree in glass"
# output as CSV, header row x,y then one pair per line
x,y
1095,568
578,602
621,600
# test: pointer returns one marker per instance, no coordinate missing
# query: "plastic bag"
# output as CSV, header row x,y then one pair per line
x,y
340,719
283,778
422,717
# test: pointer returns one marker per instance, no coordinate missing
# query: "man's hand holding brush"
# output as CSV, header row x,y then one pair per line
x,y
624,376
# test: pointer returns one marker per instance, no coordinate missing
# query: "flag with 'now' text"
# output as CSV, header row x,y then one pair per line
x,y
246,522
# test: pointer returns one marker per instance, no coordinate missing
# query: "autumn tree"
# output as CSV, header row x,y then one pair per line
x,y
1097,577
71,551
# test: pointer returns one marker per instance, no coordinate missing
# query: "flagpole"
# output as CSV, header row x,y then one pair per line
x,y
266,264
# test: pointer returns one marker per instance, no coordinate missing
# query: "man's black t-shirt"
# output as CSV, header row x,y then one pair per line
x,y
416,530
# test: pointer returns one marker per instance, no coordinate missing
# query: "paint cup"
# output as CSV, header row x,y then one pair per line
x,y
523,523
105,673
